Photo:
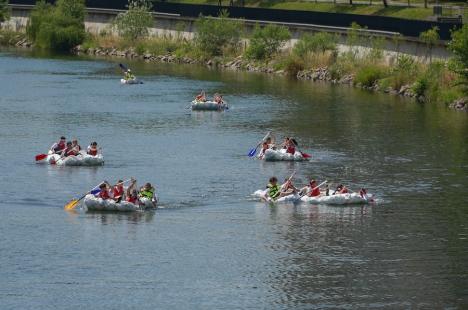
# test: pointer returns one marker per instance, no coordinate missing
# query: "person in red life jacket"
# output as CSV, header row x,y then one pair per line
x,y
267,144
131,193
76,146
314,190
341,189
104,193
118,191
58,147
69,150
92,149
291,148
201,96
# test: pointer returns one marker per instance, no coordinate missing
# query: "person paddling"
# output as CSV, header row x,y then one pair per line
x,y
59,146
128,75
311,190
104,191
288,188
92,149
147,191
201,96
290,147
273,189
76,147
267,144
341,189
132,193
218,99
69,150
118,191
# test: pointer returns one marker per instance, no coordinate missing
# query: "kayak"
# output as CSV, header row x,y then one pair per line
x,y
208,106
337,199
280,155
81,159
130,81
93,203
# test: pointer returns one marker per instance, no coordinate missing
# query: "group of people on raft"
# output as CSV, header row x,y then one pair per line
x,y
289,144
72,148
275,191
118,193
201,97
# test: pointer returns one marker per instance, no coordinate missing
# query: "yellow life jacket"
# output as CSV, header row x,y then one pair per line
x,y
273,190
147,193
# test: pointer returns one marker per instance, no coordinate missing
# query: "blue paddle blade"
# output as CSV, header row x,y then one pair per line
x,y
252,152
95,191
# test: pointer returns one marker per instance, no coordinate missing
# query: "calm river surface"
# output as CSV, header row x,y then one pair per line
x,y
211,246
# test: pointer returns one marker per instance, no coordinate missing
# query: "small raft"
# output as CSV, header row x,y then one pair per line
x,y
130,81
93,203
281,155
208,106
81,159
337,199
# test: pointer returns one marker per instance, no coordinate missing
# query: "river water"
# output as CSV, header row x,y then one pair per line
x,y
210,245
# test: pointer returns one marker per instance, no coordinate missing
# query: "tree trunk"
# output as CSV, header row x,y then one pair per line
x,y
425,4
351,2
385,4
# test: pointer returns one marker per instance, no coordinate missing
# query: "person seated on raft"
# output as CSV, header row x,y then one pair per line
x,y
92,149
118,191
128,75
311,190
218,99
131,193
104,191
147,191
290,147
69,150
273,190
201,96
76,146
267,144
288,188
341,189
58,147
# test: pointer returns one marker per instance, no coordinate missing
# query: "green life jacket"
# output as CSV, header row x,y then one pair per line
x,y
273,190
147,193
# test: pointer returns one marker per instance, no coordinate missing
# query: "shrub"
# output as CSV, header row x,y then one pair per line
x,y
134,23
267,41
58,27
4,11
293,65
319,42
376,52
213,35
369,75
459,63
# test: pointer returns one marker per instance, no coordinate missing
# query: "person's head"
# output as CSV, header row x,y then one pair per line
x,y
103,186
273,180
340,186
363,190
313,183
119,182
148,186
69,143
128,70
94,144
74,142
268,140
63,139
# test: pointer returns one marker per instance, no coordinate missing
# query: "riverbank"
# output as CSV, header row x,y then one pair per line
x,y
370,69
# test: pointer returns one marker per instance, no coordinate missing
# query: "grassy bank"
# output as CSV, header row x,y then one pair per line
x,y
364,9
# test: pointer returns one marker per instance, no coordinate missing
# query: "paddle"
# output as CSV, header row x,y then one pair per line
x,y
123,67
41,157
253,151
74,202
305,155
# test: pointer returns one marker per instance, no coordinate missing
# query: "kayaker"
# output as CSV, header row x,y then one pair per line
x,y
132,193
58,147
274,191
128,75
69,151
288,188
341,189
118,191
104,191
147,191
201,96
76,146
92,149
311,190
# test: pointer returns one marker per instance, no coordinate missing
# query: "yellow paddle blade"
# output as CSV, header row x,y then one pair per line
x,y
71,204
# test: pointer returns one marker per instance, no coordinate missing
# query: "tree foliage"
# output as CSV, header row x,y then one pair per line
x,y
430,38
459,63
319,42
59,27
4,11
215,34
134,23
267,41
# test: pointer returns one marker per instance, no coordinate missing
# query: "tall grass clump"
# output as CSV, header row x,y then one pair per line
x,y
57,27
368,75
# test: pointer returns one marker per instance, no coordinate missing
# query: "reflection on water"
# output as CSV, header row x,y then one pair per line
x,y
211,246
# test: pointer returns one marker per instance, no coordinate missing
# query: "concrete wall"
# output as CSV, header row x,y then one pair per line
x,y
99,20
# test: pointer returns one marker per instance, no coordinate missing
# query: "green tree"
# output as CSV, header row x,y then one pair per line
x,y
430,38
267,41
4,11
319,42
459,62
213,35
59,27
134,23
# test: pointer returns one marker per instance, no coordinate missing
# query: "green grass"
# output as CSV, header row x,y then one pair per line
x,y
363,9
